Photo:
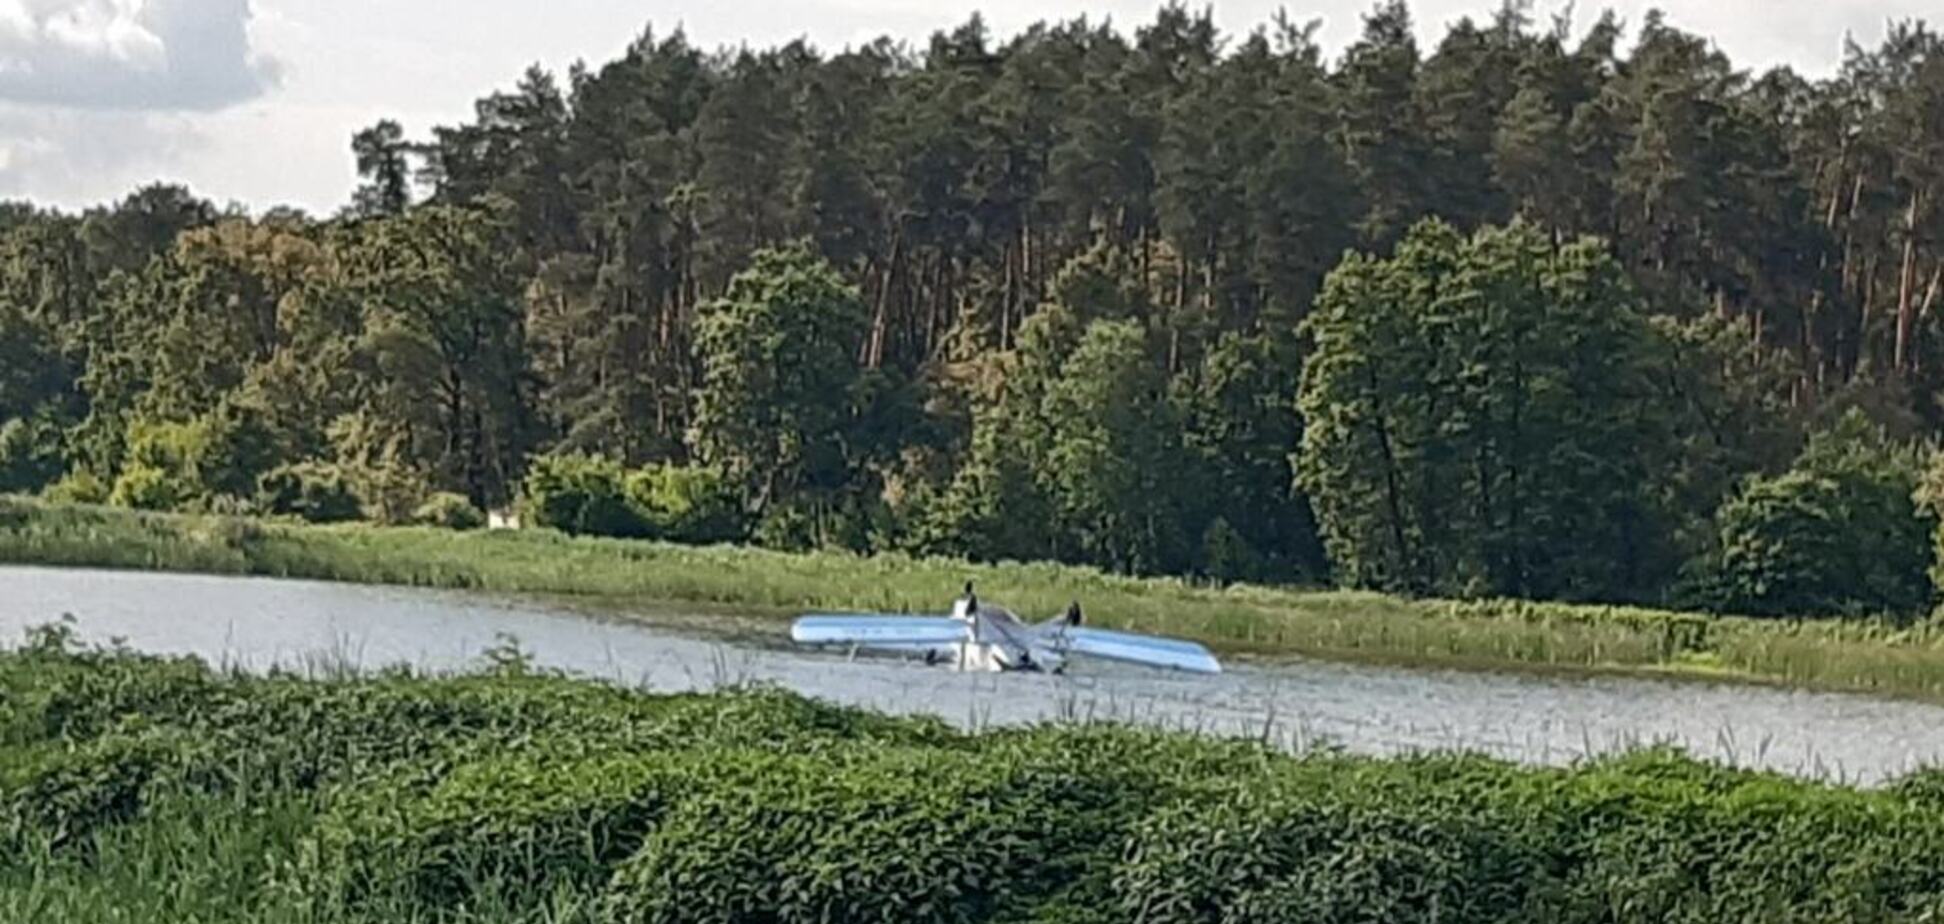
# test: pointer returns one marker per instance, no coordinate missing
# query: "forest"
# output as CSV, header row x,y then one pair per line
x,y
1552,310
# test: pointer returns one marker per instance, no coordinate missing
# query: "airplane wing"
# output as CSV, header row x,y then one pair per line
x,y
1150,650
893,632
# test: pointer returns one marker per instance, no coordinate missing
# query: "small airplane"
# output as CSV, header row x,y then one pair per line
x,y
982,637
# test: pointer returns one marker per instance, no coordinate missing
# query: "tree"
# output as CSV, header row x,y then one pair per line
x,y
1380,124
1479,419
146,223
537,278
1461,91
382,158
1839,533
444,348
778,356
1114,464
1241,424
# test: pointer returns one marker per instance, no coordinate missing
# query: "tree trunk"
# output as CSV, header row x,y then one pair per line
x,y
874,356
1393,491
1007,293
1907,285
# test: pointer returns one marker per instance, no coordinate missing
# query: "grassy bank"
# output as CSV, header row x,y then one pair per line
x,y
135,789
1496,634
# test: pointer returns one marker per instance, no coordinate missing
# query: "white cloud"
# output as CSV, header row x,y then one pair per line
x,y
154,55
74,158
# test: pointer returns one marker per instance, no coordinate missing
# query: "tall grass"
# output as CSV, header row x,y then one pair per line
x,y
1865,656
144,789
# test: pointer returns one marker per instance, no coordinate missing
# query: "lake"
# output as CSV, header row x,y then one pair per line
x,y
258,623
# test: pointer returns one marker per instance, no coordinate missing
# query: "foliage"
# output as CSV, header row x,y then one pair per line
x,y
449,511
143,786
316,492
686,503
81,486
581,495
778,372
592,496
1479,420
888,295
30,455
1840,532
145,487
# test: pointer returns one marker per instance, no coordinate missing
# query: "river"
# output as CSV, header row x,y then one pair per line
x,y
257,624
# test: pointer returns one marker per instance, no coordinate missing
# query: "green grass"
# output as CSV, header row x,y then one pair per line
x,y
619,574
138,789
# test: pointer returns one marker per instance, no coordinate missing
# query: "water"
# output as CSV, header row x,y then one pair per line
x,y
1374,710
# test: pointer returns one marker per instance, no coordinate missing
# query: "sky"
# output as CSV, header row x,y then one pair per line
x,y
255,101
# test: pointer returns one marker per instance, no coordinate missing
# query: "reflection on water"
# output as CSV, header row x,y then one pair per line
x,y
1376,710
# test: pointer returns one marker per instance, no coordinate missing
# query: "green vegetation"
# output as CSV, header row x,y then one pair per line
x,y
1483,421
136,788
1539,312
618,574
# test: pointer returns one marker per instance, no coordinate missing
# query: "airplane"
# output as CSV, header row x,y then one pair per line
x,y
979,636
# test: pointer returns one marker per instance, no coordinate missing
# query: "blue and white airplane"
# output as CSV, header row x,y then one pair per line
x,y
983,637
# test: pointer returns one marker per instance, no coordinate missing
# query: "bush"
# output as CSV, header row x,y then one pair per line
x,y
315,491
59,798
30,455
429,799
80,486
528,823
1343,842
691,504
449,511
1228,557
868,835
172,464
145,487
583,496
1841,533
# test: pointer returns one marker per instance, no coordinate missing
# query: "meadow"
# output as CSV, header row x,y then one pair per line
x,y
1861,655
135,788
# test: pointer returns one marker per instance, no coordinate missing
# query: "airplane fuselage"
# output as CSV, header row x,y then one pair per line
x,y
996,640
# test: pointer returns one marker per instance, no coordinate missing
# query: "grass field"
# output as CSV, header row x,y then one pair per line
x,y
143,789
1866,656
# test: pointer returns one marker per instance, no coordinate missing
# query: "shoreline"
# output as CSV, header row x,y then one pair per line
x,y
611,577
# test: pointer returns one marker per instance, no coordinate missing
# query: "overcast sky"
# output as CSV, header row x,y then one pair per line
x,y
255,100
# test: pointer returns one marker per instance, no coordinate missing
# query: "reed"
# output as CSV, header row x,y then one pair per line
x,y
622,574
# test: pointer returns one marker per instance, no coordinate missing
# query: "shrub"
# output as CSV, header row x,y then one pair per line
x,y
172,464
528,823
1841,533
1343,842
80,486
30,455
863,835
692,504
449,511
58,798
1227,556
431,799
582,495
145,487
315,491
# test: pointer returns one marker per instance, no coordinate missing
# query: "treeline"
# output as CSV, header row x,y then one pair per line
x,y
1620,326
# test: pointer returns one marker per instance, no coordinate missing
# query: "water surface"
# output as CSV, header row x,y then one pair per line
x,y
260,623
